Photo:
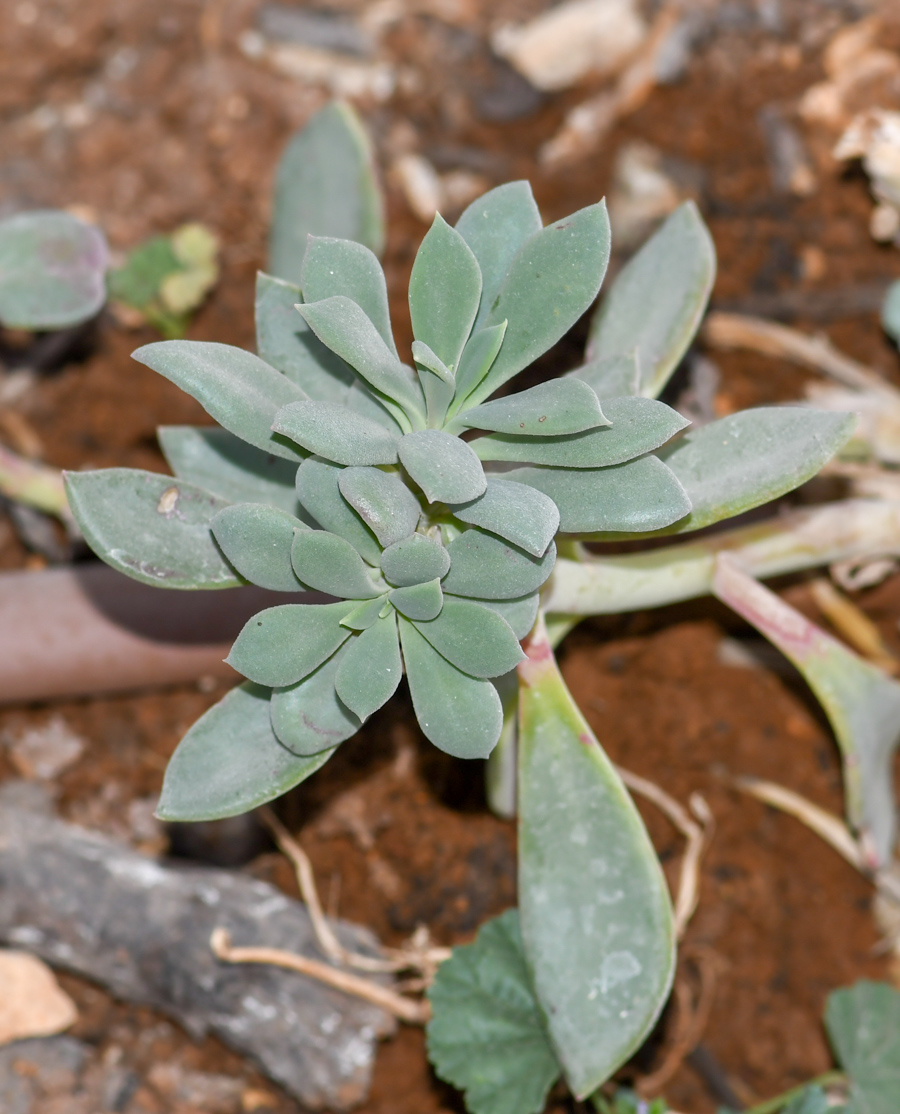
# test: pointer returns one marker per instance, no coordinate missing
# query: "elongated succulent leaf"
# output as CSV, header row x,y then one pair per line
x,y
318,489
863,1023
329,563
282,645
414,560
484,565
461,715
595,913
152,528
476,361
257,540
473,638
427,358
363,616
486,1035
560,406
371,668
419,601
611,376
519,513
309,717
383,501
335,432
443,466
519,613
658,299
812,1100
236,388
890,311
231,762
341,267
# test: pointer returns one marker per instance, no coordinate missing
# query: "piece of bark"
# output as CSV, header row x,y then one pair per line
x,y
141,929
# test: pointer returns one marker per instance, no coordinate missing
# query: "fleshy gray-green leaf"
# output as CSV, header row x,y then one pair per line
x,y
215,459
444,292
309,717
461,715
638,425
890,311
383,502
363,616
636,497
318,489
551,282
519,613
486,1035
335,432
519,513
476,361
153,528
52,270
419,601
438,383
611,376
484,565
257,540
325,185
443,466
749,458
557,407
238,389
231,762
812,1100
429,359
658,298
329,563
473,638
282,645
863,1023
341,267
414,560
371,668
495,226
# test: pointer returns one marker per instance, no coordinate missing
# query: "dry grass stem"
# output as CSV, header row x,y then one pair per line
x,y
853,625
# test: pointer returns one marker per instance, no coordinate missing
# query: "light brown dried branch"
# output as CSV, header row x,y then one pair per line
x,y
853,625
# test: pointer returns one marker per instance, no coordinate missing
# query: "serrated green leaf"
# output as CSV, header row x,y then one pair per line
x,y
335,432
596,918
637,497
341,267
519,513
476,361
419,601
611,376
318,489
152,528
282,645
329,563
863,1023
383,501
484,565
749,458
257,540
461,715
362,617
560,406
658,299
371,668
890,311
414,560
309,717
495,226
638,425
231,762
562,267
486,1035
443,466
52,270
215,459
325,185
473,638
238,389
519,613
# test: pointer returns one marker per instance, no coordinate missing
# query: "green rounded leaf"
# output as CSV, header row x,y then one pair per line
x,y
383,501
309,717
520,514
329,563
443,466
414,560
419,601
362,617
611,376
335,432
257,540
318,489
341,267
282,645
484,565
559,406
370,668
863,1023
519,613
473,638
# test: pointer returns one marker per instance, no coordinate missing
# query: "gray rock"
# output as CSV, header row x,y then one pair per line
x,y
41,1066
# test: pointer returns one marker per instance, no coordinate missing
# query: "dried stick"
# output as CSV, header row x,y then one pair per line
x,y
853,625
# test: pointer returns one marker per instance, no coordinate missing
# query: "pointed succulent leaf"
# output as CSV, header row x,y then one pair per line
x,y
342,267
383,501
152,528
495,226
362,617
476,361
611,376
749,458
419,601
286,342
437,381
414,560
812,1100
862,703
282,645
333,431
595,912
345,328
863,1023
519,613
890,311
473,638
215,459
329,563
238,389
561,267
484,565
520,514
325,185
560,406
257,540
658,299
444,292
638,425
362,400
423,355
371,668
318,489
443,466
461,715
638,496
309,717
486,1035
52,270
